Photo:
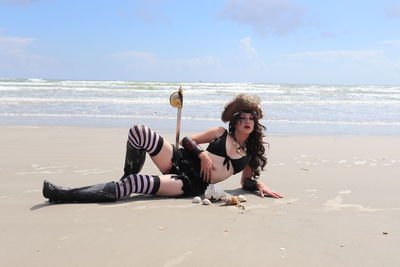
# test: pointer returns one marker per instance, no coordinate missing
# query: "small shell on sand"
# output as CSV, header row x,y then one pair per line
x,y
196,200
231,200
242,198
206,201
226,199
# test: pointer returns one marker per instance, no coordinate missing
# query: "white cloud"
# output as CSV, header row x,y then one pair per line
x,y
11,42
16,60
393,11
247,48
276,16
15,47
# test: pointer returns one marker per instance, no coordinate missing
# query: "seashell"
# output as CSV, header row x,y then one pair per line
x,y
242,198
196,200
206,201
226,199
231,200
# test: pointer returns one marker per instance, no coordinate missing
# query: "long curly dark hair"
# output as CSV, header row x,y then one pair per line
x,y
254,145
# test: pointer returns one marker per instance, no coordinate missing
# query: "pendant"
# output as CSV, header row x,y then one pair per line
x,y
240,152
236,145
239,148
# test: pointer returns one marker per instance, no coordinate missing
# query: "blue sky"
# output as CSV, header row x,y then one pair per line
x,y
272,41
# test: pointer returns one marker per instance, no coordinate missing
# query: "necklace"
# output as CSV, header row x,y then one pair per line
x,y
238,147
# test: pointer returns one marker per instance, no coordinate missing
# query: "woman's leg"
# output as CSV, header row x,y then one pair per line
x,y
106,192
163,185
134,160
143,138
169,186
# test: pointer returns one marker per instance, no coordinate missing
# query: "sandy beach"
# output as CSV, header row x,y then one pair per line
x,y
341,206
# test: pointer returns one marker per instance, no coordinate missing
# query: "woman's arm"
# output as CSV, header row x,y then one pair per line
x,y
252,185
247,173
208,135
191,144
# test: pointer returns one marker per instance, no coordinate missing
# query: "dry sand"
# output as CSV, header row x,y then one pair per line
x,y
341,206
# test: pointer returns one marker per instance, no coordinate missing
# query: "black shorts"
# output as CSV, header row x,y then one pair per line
x,y
186,166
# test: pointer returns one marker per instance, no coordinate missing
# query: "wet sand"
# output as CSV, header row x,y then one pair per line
x,y
341,206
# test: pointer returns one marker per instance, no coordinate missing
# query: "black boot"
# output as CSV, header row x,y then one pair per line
x,y
134,160
95,193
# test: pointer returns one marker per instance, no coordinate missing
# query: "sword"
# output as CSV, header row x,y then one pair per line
x,y
176,100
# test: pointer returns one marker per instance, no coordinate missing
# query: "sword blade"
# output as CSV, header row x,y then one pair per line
x,y
178,126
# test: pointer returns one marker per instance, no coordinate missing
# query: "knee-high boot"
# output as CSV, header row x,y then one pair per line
x,y
95,193
134,160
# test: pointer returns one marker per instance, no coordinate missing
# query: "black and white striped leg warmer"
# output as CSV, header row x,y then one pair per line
x,y
142,137
137,183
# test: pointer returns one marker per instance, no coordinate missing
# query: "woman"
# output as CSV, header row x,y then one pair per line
x,y
186,171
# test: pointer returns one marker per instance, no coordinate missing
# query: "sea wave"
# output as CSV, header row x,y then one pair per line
x,y
284,104
197,90
191,118
163,100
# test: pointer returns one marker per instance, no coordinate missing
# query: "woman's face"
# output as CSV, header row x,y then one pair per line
x,y
245,123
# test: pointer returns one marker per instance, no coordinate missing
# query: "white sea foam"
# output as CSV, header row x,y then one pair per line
x,y
155,100
105,116
158,116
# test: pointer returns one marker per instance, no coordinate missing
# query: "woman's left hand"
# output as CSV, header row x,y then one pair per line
x,y
264,190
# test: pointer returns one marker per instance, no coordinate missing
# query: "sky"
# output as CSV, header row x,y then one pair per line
x,y
259,41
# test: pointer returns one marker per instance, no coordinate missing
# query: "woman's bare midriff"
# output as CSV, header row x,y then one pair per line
x,y
221,172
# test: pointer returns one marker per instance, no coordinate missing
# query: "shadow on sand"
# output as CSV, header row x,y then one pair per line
x,y
238,191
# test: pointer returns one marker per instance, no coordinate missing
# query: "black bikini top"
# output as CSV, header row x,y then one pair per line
x,y
218,147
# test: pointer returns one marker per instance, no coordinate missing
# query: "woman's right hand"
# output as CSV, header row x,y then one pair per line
x,y
206,166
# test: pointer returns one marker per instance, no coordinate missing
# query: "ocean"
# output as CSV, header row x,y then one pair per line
x,y
288,108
